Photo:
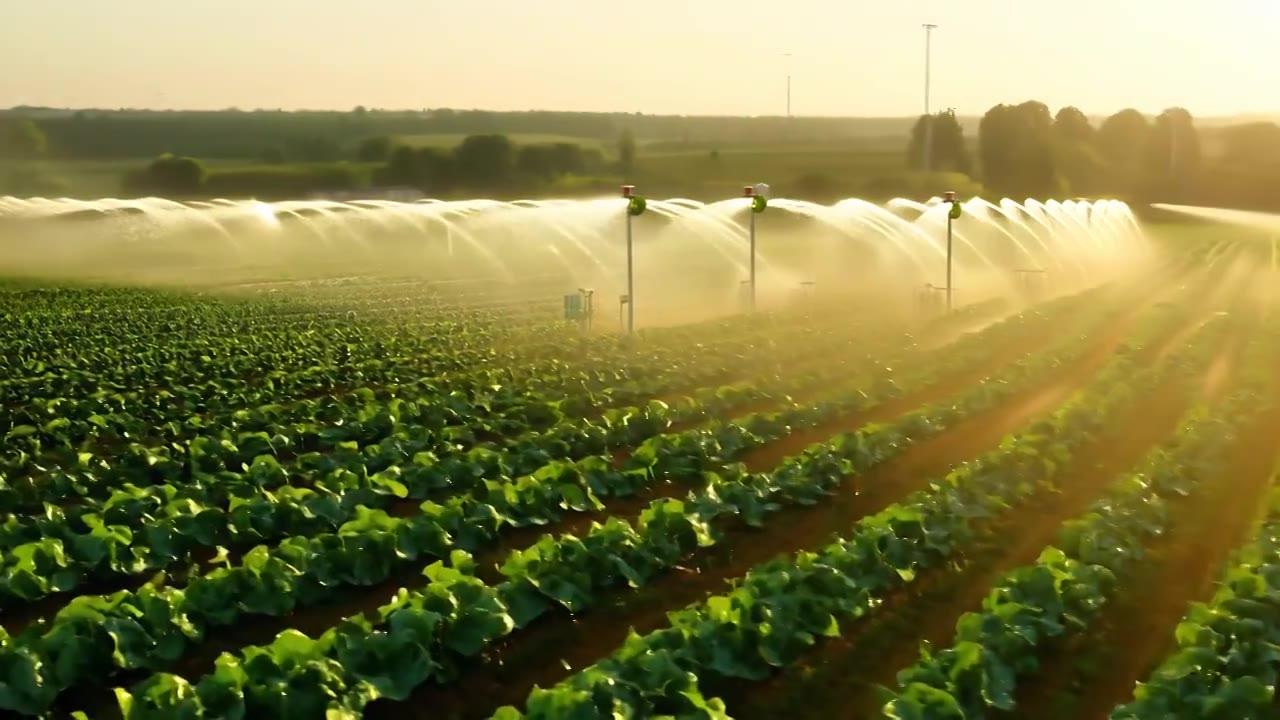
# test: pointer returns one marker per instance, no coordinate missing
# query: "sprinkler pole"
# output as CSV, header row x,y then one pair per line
x,y
631,282
949,262
635,206
758,194
952,213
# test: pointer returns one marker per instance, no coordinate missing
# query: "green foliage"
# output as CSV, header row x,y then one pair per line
x,y
283,182
780,609
1067,586
32,180
22,140
948,152
374,149
168,176
484,161
1017,152
1122,140
626,153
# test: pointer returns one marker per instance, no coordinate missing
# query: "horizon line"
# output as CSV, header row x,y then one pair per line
x,y
532,111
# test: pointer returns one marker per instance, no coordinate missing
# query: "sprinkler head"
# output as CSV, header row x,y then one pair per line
x,y
949,196
628,191
762,190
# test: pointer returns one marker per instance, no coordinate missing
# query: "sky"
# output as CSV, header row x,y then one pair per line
x,y
694,57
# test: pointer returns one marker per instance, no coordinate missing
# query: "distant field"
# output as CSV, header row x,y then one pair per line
x,y
667,169
449,140
102,178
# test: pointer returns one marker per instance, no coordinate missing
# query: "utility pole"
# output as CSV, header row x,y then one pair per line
x,y
928,126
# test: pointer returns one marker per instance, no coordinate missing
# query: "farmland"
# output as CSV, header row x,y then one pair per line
x,y
370,496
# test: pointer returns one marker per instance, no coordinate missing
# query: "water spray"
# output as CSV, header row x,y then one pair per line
x,y
759,194
635,206
952,215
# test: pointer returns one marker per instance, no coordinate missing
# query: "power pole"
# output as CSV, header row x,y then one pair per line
x,y
928,126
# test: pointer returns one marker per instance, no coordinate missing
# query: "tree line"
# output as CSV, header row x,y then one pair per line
x,y
329,136
1020,150
485,163
1025,150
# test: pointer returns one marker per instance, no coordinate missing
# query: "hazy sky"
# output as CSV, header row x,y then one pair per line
x,y
851,57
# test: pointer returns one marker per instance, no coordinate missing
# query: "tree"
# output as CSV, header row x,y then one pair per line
x,y
948,153
536,162
568,158
24,140
1071,125
1075,155
374,149
1172,157
168,176
428,169
1251,143
314,148
1121,141
485,161
626,153
1015,143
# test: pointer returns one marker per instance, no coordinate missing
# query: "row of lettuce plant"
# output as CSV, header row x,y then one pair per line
x,y
1226,661
369,549
452,468
397,432
565,573
781,608
67,430
1067,586
486,402
55,372
139,532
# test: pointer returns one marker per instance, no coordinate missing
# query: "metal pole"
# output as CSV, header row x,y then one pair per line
x,y
928,128
751,233
949,262
631,290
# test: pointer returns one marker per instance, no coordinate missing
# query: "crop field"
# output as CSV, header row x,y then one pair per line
x,y
369,497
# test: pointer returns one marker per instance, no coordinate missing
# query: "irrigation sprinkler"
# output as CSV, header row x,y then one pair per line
x,y
759,194
952,215
635,206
